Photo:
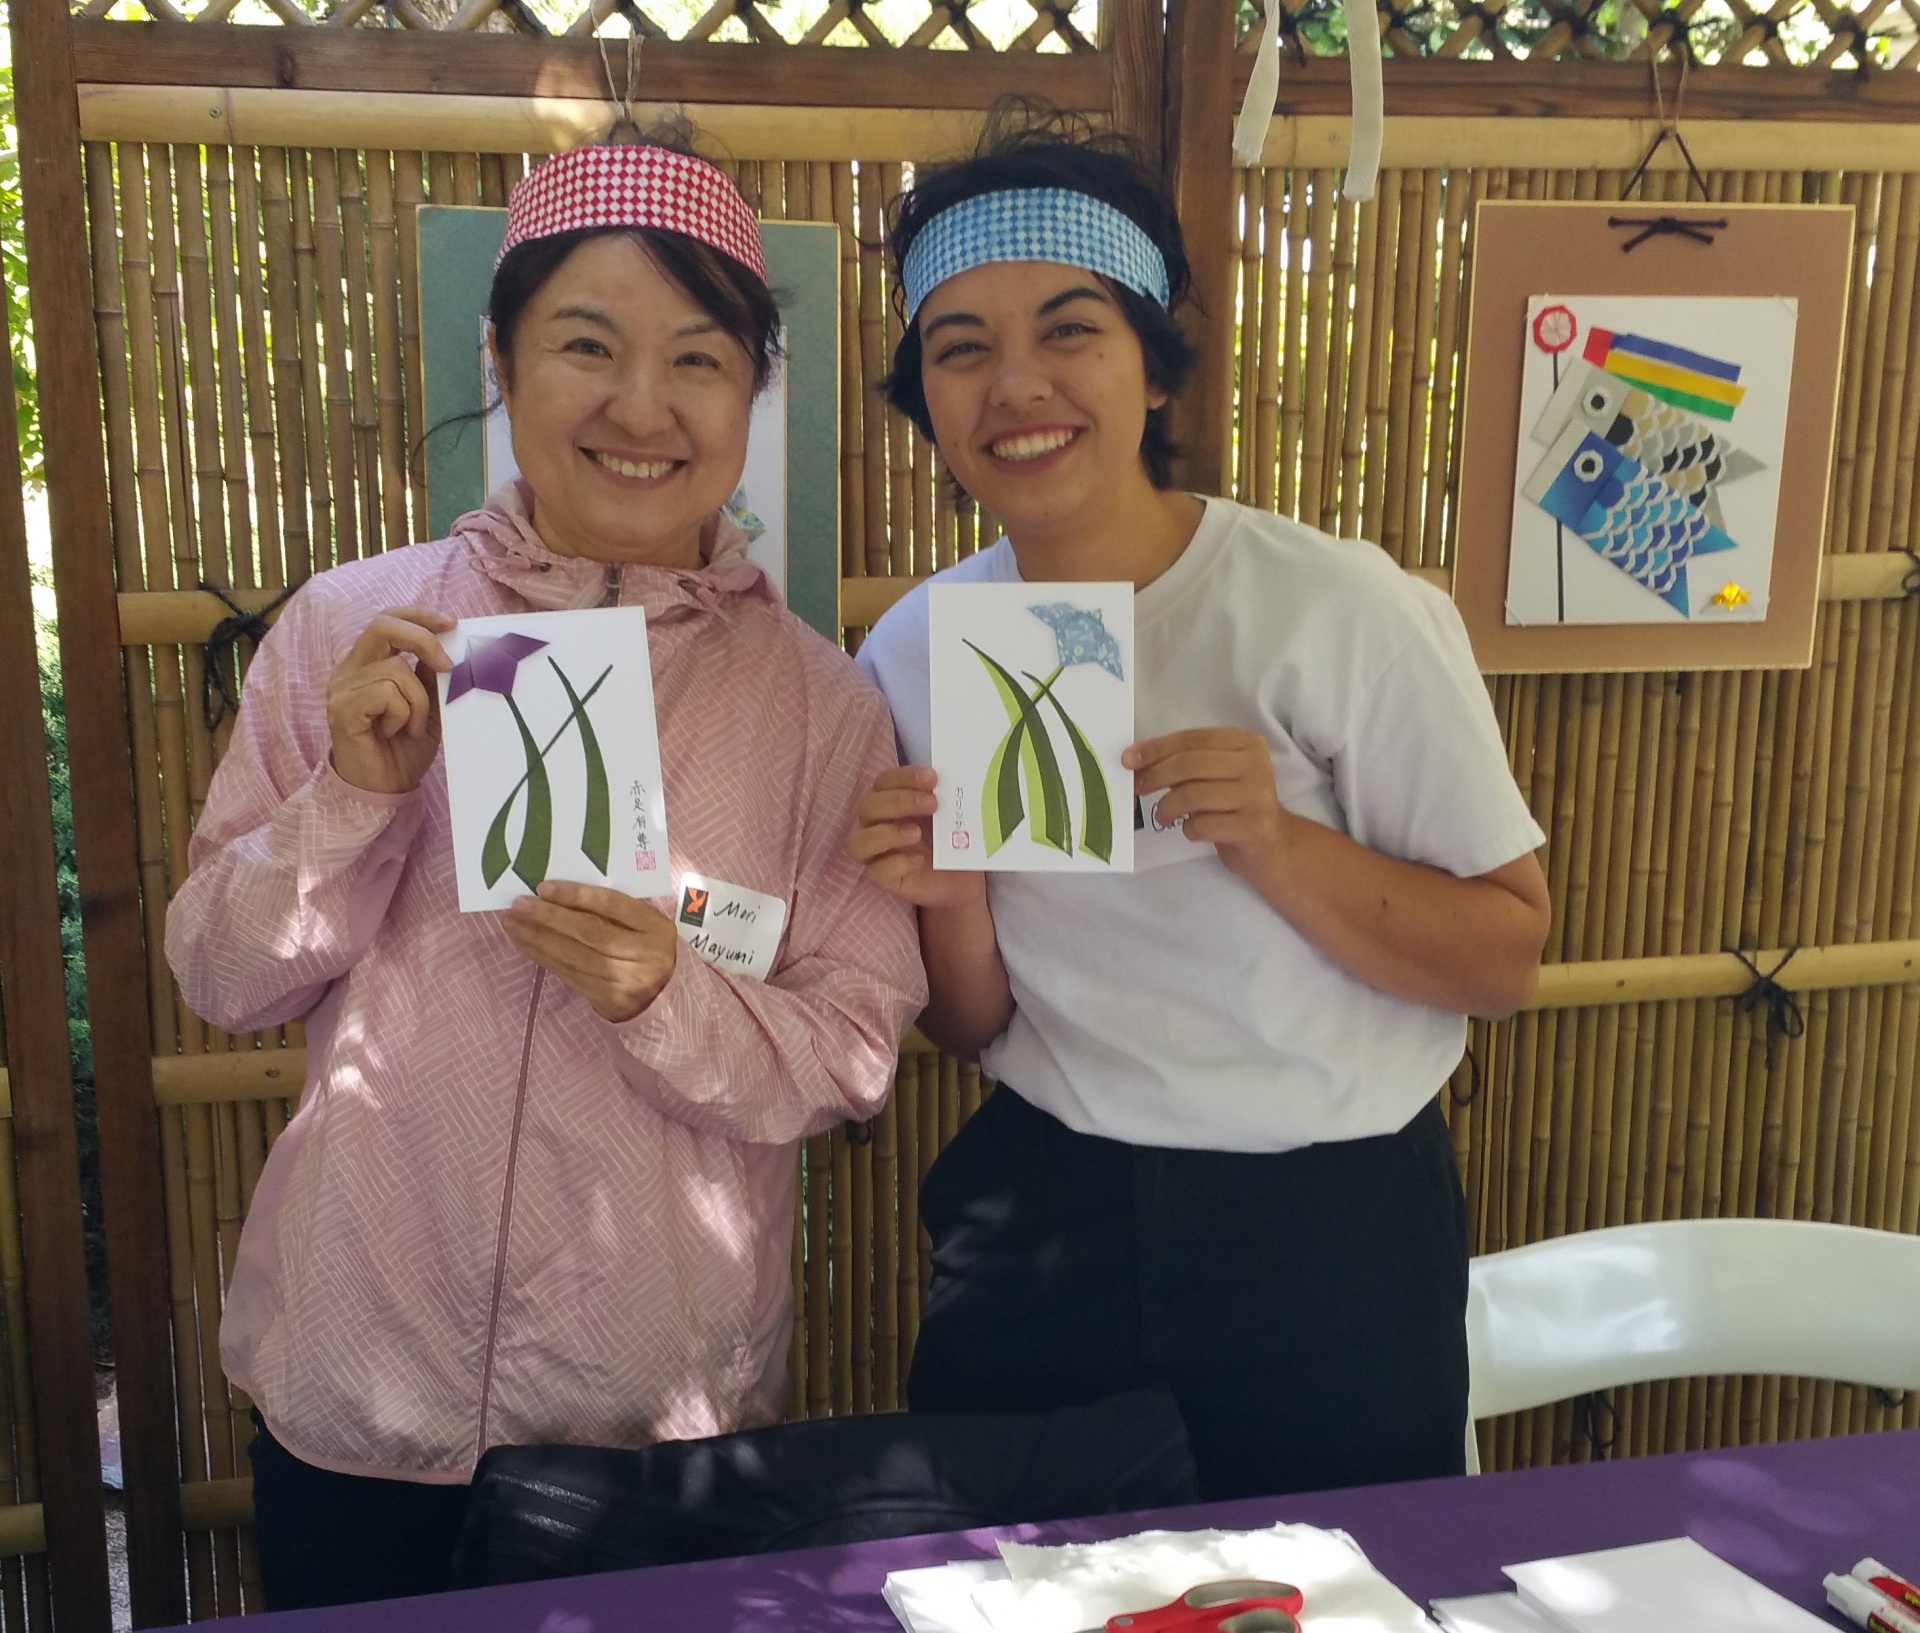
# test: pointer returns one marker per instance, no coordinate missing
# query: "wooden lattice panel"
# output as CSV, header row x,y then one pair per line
x,y
1851,34
1857,34
973,25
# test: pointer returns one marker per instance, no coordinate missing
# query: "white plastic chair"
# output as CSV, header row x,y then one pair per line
x,y
1687,1299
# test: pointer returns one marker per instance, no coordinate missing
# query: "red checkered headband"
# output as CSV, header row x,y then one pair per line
x,y
630,184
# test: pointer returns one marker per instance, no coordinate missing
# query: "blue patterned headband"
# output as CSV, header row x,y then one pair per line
x,y
1033,224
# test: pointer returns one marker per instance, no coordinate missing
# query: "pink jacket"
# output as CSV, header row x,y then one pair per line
x,y
497,1217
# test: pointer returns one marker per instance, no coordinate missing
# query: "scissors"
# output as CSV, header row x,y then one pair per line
x,y
1243,1606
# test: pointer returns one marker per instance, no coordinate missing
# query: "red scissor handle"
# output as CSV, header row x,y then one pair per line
x,y
1220,1607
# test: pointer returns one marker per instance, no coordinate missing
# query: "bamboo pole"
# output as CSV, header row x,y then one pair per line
x,y
390,386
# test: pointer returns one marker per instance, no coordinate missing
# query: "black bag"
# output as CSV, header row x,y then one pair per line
x,y
546,1511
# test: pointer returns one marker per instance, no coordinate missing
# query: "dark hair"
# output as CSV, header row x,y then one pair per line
x,y
1028,145
720,286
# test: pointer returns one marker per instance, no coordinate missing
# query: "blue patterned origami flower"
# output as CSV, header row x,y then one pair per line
x,y
1081,636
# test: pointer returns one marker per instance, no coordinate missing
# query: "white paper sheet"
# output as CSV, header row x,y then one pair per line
x,y
1490,1613
1032,707
607,823
1063,1590
1664,489
1657,1587
939,1598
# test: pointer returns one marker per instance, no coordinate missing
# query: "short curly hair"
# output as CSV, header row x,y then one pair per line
x,y
1026,144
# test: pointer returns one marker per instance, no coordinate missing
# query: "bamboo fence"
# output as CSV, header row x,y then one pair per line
x,y
257,320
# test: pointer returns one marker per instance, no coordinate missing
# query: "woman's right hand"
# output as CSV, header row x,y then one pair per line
x,y
893,840
384,713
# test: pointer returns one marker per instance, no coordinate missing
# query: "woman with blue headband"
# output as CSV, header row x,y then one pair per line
x,y
1214,1159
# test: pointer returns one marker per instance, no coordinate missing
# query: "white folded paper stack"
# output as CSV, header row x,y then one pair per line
x,y
1656,1587
1065,1590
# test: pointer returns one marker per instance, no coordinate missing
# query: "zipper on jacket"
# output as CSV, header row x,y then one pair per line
x,y
506,1214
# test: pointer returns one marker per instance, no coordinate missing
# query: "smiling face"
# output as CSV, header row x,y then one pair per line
x,y
629,407
1037,388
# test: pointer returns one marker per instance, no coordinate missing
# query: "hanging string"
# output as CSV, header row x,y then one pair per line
x,y
1784,1016
217,693
625,127
1669,130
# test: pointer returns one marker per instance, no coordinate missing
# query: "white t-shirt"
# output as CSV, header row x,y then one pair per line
x,y
1175,1007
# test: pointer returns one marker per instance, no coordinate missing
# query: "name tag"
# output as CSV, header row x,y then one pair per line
x,y
731,927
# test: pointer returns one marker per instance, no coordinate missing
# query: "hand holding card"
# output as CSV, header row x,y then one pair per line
x,y
616,952
894,841
383,720
1216,785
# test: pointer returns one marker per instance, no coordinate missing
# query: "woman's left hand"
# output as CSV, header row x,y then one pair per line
x,y
1219,782
616,951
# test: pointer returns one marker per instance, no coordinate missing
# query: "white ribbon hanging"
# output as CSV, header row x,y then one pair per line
x,y
1369,97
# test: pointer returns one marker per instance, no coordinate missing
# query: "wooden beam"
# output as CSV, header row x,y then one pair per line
x,y
1453,88
58,254
1722,975
495,124
382,61
40,1086
187,617
216,1505
1138,42
1200,39
280,1074
1311,141
23,1530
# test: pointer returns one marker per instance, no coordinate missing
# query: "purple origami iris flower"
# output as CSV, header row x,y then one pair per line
x,y
490,664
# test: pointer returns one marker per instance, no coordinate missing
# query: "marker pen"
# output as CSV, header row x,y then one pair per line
x,y
1897,1588
1865,1607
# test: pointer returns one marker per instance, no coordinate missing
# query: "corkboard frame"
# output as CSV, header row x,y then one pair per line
x,y
1525,248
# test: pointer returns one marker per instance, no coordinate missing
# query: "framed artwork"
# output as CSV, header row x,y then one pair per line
x,y
1648,433
789,496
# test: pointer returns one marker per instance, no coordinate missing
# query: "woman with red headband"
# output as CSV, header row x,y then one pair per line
x,y
540,1187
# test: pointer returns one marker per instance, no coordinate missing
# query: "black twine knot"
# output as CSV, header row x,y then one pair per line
x,y
1593,1422
1665,226
1910,585
1892,1400
857,1133
217,693
1785,1018
1474,1081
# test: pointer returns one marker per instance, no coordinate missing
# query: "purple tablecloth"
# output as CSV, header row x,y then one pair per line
x,y
1785,1514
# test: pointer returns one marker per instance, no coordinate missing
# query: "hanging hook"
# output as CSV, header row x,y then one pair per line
x,y
625,127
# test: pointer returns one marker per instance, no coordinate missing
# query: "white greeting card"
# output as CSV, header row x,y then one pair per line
x,y
553,759
1032,708
1652,438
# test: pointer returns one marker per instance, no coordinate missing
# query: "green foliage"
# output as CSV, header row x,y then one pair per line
x,y
53,712
13,262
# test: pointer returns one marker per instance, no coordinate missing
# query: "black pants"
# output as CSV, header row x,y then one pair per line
x,y
342,1539
1306,1309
